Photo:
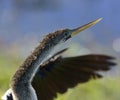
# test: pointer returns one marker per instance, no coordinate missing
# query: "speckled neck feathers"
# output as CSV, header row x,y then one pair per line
x,y
28,69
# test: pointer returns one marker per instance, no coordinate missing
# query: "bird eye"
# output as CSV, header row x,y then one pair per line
x,y
65,33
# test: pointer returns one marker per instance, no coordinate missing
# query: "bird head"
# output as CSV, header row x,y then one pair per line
x,y
65,34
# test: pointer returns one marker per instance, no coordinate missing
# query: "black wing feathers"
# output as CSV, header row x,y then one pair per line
x,y
58,74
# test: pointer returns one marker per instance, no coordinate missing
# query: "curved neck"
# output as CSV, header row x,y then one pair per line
x,y
28,69
21,81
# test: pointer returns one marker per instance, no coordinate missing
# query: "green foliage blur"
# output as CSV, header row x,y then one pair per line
x,y
107,88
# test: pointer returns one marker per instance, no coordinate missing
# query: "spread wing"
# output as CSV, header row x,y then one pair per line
x,y
58,74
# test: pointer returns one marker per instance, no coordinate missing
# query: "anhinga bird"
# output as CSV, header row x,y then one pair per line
x,y
41,77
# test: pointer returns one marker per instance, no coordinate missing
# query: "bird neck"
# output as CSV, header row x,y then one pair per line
x,y
28,69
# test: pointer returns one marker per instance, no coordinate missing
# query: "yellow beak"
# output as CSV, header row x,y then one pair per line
x,y
81,28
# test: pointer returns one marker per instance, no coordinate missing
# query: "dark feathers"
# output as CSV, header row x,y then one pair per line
x,y
9,97
58,74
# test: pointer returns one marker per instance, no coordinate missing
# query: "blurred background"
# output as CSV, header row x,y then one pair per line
x,y
23,23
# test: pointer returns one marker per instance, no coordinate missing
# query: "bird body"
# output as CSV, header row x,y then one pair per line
x,y
40,77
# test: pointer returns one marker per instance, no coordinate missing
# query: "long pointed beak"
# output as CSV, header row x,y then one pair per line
x,y
81,28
